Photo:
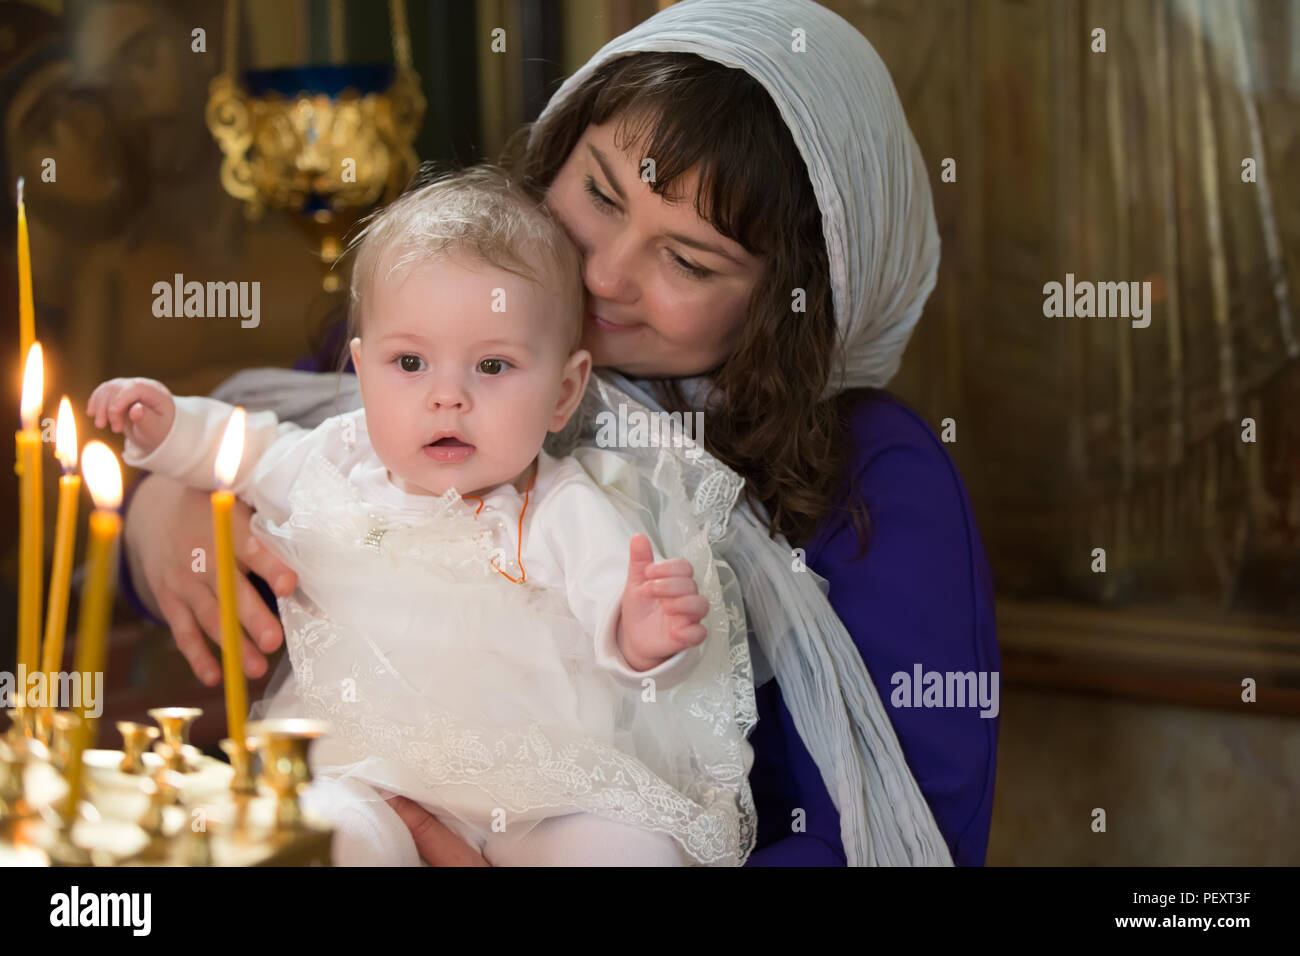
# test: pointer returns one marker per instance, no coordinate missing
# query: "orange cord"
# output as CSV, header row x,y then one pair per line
x,y
520,537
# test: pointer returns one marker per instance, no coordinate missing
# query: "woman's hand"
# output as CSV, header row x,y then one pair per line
x,y
164,524
437,845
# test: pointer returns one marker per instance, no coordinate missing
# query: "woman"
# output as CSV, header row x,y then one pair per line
x,y
759,241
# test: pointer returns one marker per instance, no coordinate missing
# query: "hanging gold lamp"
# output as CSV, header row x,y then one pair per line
x,y
322,143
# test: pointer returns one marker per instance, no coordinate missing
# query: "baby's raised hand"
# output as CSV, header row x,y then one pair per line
x,y
141,408
662,608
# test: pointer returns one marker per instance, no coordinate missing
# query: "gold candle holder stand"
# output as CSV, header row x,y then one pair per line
x,y
13,803
44,724
235,823
22,723
241,759
282,744
175,723
136,739
63,727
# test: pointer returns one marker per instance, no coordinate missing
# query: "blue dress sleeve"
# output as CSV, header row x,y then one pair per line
x,y
922,595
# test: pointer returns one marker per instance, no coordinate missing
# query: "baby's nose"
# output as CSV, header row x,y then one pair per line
x,y
448,394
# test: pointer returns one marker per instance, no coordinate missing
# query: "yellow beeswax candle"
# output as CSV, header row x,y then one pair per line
x,y
227,467
26,309
65,540
31,553
104,479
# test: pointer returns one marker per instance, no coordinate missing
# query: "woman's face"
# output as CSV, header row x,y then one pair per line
x,y
666,292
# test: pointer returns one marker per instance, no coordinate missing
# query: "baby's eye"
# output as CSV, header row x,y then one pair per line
x,y
410,362
493,366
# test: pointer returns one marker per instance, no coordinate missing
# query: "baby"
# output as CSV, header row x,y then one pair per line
x,y
488,629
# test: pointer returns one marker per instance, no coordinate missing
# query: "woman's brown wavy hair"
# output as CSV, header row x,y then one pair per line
x,y
772,425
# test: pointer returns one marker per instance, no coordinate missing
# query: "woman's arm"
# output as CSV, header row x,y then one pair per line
x,y
798,824
921,596
163,526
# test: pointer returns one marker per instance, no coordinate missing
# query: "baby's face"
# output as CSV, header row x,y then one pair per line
x,y
458,394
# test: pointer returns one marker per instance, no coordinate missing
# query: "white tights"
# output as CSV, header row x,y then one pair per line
x,y
368,832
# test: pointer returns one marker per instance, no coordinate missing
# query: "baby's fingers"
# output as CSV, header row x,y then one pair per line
x,y
671,568
124,401
677,586
96,404
693,606
688,635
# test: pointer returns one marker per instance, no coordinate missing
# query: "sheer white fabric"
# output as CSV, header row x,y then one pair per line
x,y
481,698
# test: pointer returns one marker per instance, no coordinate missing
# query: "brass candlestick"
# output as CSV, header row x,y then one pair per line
x,y
175,723
162,789
173,758
21,723
241,758
57,843
239,829
136,739
44,723
282,745
13,806
63,733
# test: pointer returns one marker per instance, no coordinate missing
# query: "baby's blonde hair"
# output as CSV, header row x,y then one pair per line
x,y
480,212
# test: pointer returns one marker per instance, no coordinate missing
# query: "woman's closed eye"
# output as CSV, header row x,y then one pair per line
x,y
695,272
597,196
608,205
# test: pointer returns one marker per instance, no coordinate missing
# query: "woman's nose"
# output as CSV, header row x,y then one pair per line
x,y
607,267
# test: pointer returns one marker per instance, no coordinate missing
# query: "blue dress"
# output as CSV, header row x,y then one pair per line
x,y
922,594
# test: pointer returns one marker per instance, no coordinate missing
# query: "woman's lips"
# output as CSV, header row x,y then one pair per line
x,y
449,450
606,326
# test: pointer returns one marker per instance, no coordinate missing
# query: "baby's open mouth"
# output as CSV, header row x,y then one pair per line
x,y
449,449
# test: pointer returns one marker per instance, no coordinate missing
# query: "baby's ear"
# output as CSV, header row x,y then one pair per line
x,y
355,348
577,370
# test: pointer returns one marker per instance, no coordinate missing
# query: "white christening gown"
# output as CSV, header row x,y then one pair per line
x,y
474,669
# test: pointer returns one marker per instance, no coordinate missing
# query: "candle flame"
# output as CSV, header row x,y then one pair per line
x,y
103,474
21,180
232,449
65,436
33,385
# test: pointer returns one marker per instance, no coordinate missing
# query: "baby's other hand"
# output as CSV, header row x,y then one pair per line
x,y
662,608
140,408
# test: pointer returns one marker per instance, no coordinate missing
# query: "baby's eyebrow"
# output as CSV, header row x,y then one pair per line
x,y
521,345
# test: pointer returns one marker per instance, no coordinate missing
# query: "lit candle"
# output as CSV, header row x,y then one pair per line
x,y
228,457
31,553
26,311
104,479
65,540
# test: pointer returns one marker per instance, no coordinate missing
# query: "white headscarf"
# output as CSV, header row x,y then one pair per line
x,y
867,172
